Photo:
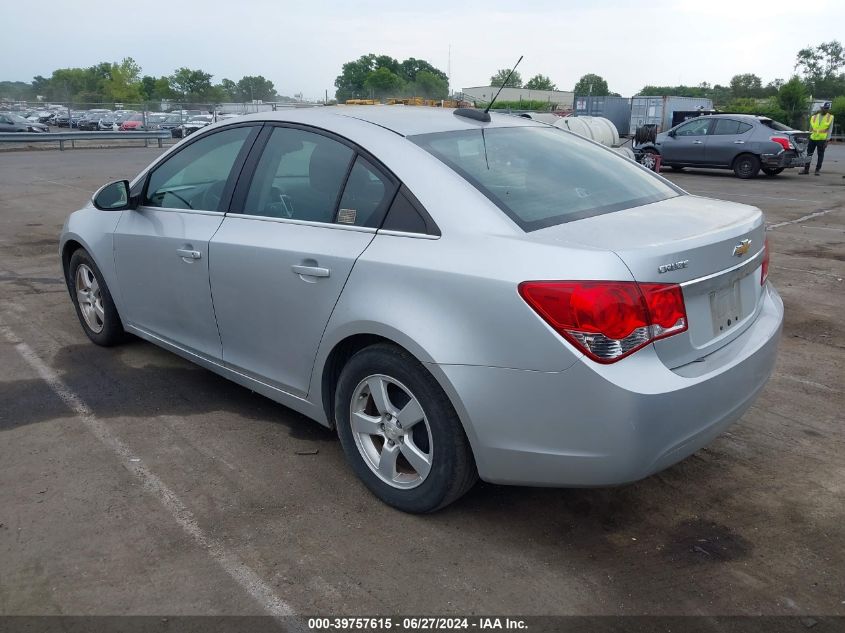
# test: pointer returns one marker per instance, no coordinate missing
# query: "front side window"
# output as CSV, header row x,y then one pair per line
x,y
195,177
542,176
694,128
299,176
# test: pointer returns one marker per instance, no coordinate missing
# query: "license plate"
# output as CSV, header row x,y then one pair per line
x,y
726,307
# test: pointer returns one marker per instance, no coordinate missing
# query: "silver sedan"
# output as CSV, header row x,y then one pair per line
x,y
459,295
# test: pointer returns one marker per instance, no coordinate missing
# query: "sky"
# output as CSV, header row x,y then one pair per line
x,y
300,46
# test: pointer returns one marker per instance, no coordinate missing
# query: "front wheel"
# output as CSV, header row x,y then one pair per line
x,y
399,431
772,172
92,300
746,166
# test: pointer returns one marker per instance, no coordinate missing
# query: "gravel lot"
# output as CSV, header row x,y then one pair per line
x,y
753,524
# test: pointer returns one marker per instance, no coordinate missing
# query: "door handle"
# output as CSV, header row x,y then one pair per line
x,y
698,142
739,142
188,253
311,271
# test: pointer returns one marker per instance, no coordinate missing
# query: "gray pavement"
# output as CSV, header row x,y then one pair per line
x,y
91,437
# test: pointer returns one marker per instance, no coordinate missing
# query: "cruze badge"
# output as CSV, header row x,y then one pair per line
x,y
742,248
665,268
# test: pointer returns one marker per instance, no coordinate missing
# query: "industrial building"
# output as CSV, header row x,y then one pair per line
x,y
561,98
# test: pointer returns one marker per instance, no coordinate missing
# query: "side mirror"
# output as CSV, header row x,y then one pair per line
x,y
113,196
671,133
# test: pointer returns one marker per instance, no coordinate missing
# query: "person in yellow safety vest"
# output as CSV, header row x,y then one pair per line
x,y
821,127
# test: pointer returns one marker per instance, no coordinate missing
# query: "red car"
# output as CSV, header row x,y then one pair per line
x,y
135,123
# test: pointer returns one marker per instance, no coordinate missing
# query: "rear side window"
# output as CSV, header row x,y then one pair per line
x,y
299,176
730,126
366,196
542,176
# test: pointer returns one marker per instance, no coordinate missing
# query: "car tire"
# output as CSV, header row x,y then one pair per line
x,y
746,166
648,161
93,302
772,172
436,440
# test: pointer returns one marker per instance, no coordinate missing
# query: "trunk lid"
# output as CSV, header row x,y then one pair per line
x,y
799,140
712,248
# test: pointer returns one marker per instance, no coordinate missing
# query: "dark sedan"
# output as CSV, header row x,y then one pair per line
x,y
741,142
15,123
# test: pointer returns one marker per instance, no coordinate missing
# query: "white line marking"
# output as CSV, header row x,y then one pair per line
x,y
241,573
62,184
752,195
803,218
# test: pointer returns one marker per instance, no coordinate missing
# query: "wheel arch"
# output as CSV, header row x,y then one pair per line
x,y
345,347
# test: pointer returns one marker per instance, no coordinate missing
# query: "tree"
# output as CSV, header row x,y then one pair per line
x,y
767,107
792,97
430,85
837,108
540,82
350,82
591,84
383,82
191,84
122,83
229,89
819,66
411,67
255,89
747,85
501,75
414,76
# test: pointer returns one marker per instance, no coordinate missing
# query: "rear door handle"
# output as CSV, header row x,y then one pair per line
x,y
739,142
311,271
188,253
698,142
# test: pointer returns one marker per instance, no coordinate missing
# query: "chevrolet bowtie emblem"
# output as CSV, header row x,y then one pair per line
x,y
742,248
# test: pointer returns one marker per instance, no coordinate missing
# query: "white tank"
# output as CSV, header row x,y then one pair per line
x,y
595,128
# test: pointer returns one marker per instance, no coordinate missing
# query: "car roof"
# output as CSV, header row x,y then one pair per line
x,y
403,120
730,115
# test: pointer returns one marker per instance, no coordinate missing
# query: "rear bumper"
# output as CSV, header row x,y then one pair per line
x,y
596,425
783,160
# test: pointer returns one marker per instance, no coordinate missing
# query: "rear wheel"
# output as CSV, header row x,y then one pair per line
x,y
772,172
92,300
746,166
399,431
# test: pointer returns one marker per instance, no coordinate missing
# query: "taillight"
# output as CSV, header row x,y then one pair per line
x,y
765,268
608,320
782,141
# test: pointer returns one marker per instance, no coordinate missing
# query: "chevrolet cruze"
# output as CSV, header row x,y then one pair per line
x,y
459,295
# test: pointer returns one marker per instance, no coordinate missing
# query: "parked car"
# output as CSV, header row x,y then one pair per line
x,y
133,123
457,297
15,123
194,124
62,119
172,122
91,121
741,142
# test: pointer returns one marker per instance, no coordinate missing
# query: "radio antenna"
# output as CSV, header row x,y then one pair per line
x,y
504,83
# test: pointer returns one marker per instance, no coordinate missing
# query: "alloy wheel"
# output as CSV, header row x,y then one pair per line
x,y
391,431
89,298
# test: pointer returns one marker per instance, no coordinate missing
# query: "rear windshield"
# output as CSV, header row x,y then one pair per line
x,y
542,176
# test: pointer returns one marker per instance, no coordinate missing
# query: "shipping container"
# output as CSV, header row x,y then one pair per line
x,y
616,109
659,110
